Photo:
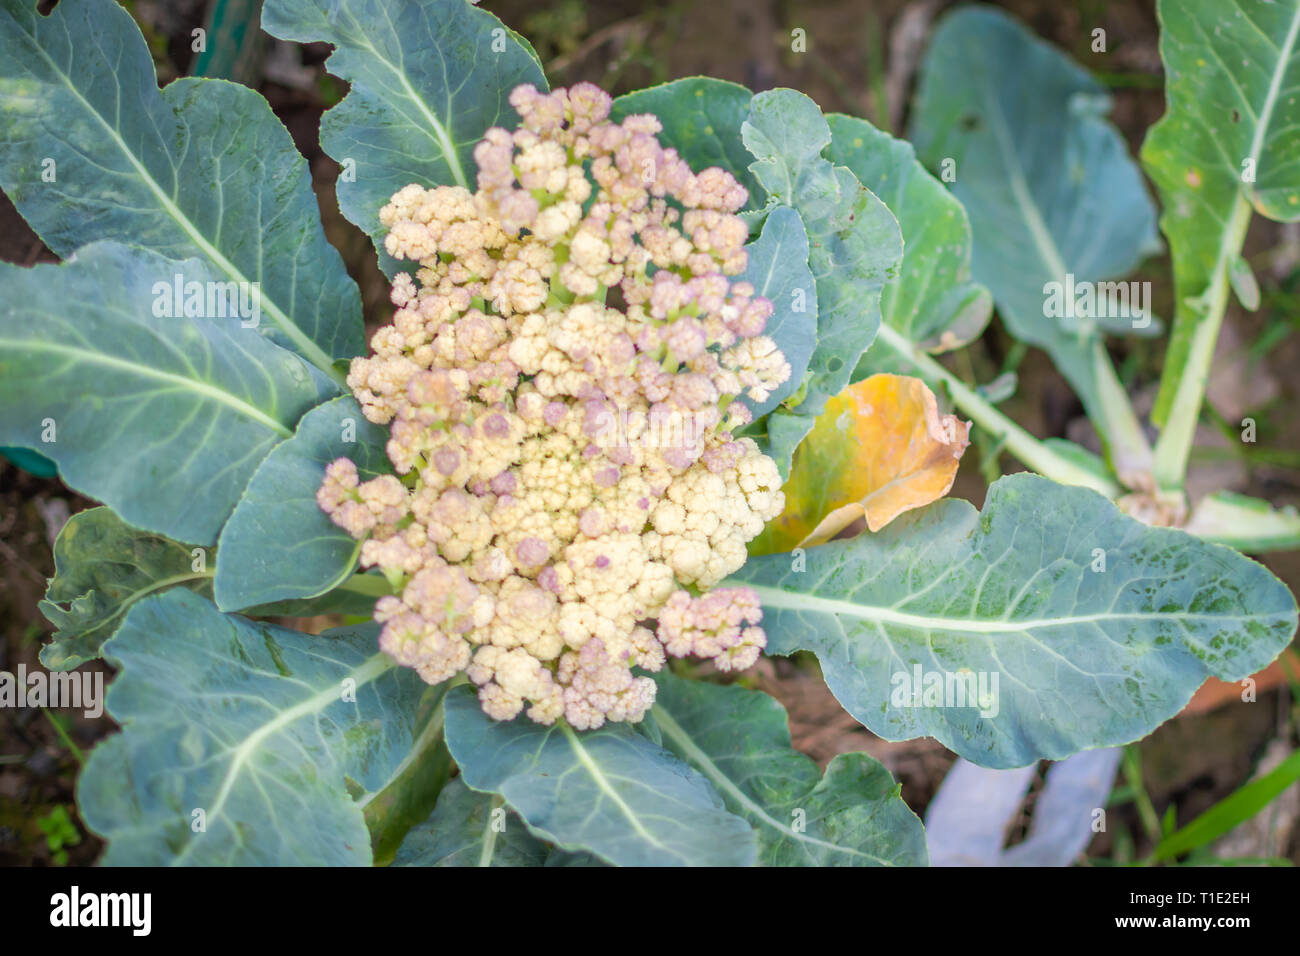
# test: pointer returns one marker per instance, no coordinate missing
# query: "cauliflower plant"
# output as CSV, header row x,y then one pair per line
x,y
560,380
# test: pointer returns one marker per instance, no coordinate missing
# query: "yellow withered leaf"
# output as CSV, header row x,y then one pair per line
x,y
880,448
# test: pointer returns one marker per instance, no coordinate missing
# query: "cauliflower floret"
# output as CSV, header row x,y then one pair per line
x,y
455,521
526,616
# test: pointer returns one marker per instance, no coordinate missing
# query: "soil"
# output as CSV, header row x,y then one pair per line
x,y
860,58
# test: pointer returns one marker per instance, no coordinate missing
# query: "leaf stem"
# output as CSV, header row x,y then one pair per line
x,y
1126,443
63,735
1247,524
1034,453
371,585
490,836
1175,443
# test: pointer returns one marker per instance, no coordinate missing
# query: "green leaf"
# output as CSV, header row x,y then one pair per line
x,y
778,270
427,78
1085,627
610,791
202,168
701,119
278,544
30,461
1231,82
1244,284
263,729
415,784
163,419
101,567
469,828
779,434
1046,180
740,740
855,242
355,596
934,303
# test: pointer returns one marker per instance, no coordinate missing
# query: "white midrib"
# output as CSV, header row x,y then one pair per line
x,y
432,730
309,349
607,788
144,371
154,586
1043,241
370,669
1229,242
706,766
1274,88
490,831
785,600
439,131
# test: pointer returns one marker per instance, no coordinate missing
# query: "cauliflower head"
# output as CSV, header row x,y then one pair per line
x,y
559,382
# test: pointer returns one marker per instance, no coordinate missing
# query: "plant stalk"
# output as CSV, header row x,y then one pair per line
x,y
1175,443
1121,432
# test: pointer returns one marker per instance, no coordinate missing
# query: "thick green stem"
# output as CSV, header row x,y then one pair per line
x,y
1175,444
1247,524
1034,453
1126,442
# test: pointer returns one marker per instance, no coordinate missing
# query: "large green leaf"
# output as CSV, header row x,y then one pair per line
x,y
934,303
278,544
778,270
267,731
740,740
427,78
469,828
356,597
409,795
1046,180
164,419
101,567
202,168
1086,627
701,119
610,791
1232,79
855,242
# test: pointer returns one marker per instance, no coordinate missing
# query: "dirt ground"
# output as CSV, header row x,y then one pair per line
x,y
861,58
